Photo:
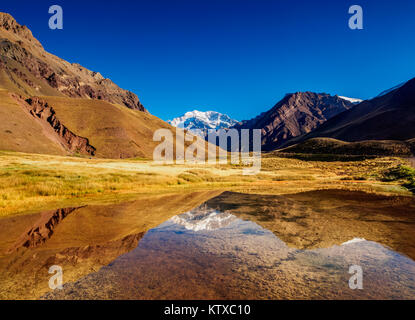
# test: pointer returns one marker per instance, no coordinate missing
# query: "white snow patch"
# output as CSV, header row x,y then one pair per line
x,y
355,240
203,121
352,100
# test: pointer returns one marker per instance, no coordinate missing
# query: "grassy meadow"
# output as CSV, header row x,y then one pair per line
x,y
33,182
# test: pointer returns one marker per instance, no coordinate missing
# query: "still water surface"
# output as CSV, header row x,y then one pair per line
x,y
236,246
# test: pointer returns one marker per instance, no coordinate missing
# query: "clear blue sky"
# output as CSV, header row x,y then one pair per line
x,y
233,56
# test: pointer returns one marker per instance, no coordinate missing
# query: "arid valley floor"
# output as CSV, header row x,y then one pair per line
x,y
108,206
31,182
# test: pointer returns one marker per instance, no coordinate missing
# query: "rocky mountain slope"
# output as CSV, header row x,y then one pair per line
x,y
389,116
50,106
296,114
203,121
26,68
65,126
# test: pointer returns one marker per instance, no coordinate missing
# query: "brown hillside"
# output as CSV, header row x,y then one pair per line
x,y
296,114
115,131
64,126
390,116
26,68
48,105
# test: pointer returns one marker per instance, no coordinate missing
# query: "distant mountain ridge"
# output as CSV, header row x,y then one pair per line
x,y
389,116
296,114
203,121
48,105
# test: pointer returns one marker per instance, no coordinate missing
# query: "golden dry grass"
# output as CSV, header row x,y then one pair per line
x,y
31,182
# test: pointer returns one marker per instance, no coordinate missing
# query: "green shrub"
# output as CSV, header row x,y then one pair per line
x,y
401,173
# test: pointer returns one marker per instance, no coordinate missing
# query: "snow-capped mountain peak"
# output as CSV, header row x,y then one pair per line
x,y
352,100
203,121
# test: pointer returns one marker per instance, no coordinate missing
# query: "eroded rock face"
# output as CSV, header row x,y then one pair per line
x,y
70,141
98,254
42,230
23,60
75,143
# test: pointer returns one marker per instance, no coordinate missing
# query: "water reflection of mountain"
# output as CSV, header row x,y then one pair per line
x,y
83,240
204,218
322,219
242,260
80,240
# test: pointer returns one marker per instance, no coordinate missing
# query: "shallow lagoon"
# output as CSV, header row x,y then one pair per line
x,y
229,246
